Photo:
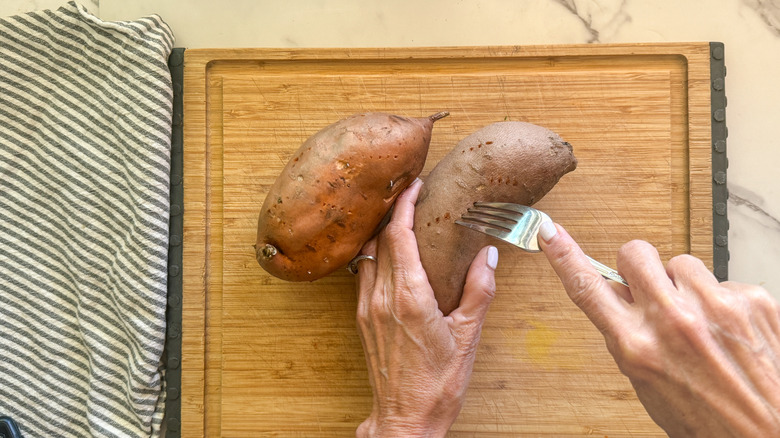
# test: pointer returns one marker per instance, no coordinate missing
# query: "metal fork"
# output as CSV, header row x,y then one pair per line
x,y
518,225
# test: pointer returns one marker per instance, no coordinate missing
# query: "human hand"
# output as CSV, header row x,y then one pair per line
x,y
419,361
703,356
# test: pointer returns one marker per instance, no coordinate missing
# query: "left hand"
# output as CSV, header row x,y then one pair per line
x,y
419,361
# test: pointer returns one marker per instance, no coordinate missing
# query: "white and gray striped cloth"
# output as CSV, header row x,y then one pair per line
x,y
85,126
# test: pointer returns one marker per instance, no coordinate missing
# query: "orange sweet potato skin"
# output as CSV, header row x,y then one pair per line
x,y
334,192
506,162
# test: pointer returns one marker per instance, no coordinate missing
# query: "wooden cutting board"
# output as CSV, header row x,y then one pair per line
x,y
263,357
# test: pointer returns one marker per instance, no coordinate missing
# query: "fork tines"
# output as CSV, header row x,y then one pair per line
x,y
494,218
508,207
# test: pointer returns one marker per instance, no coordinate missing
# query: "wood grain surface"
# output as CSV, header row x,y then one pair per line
x,y
263,357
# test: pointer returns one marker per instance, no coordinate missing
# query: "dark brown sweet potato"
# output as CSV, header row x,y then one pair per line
x,y
334,192
506,162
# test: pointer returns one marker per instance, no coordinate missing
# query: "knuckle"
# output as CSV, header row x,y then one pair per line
x,y
394,230
405,304
377,308
453,392
732,318
631,254
581,287
731,309
636,355
561,252
683,262
405,297
634,246
684,325
761,300
362,316
406,307
485,286
631,245
685,322
411,279
724,304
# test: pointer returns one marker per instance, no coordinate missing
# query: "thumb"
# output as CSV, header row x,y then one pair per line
x,y
480,286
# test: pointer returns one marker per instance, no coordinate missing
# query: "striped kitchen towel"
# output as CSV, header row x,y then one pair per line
x,y
85,126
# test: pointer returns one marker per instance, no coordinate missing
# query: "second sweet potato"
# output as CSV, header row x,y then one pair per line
x,y
514,162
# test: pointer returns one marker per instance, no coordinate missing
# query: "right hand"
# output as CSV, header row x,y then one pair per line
x,y
703,356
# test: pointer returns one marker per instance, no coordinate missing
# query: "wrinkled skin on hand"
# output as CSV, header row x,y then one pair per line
x,y
703,356
419,361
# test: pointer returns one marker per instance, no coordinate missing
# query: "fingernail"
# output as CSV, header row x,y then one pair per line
x,y
492,257
547,230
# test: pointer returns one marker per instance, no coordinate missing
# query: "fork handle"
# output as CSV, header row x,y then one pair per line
x,y
607,272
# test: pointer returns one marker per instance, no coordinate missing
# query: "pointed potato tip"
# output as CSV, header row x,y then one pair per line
x,y
438,116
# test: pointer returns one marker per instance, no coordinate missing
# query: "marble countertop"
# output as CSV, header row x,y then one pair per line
x,y
750,30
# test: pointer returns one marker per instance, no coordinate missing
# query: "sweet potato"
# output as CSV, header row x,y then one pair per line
x,y
503,162
335,191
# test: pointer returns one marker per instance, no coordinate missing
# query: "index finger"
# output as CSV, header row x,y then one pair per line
x,y
398,246
399,231
584,285
403,209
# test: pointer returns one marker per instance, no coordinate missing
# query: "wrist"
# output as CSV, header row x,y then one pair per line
x,y
396,428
